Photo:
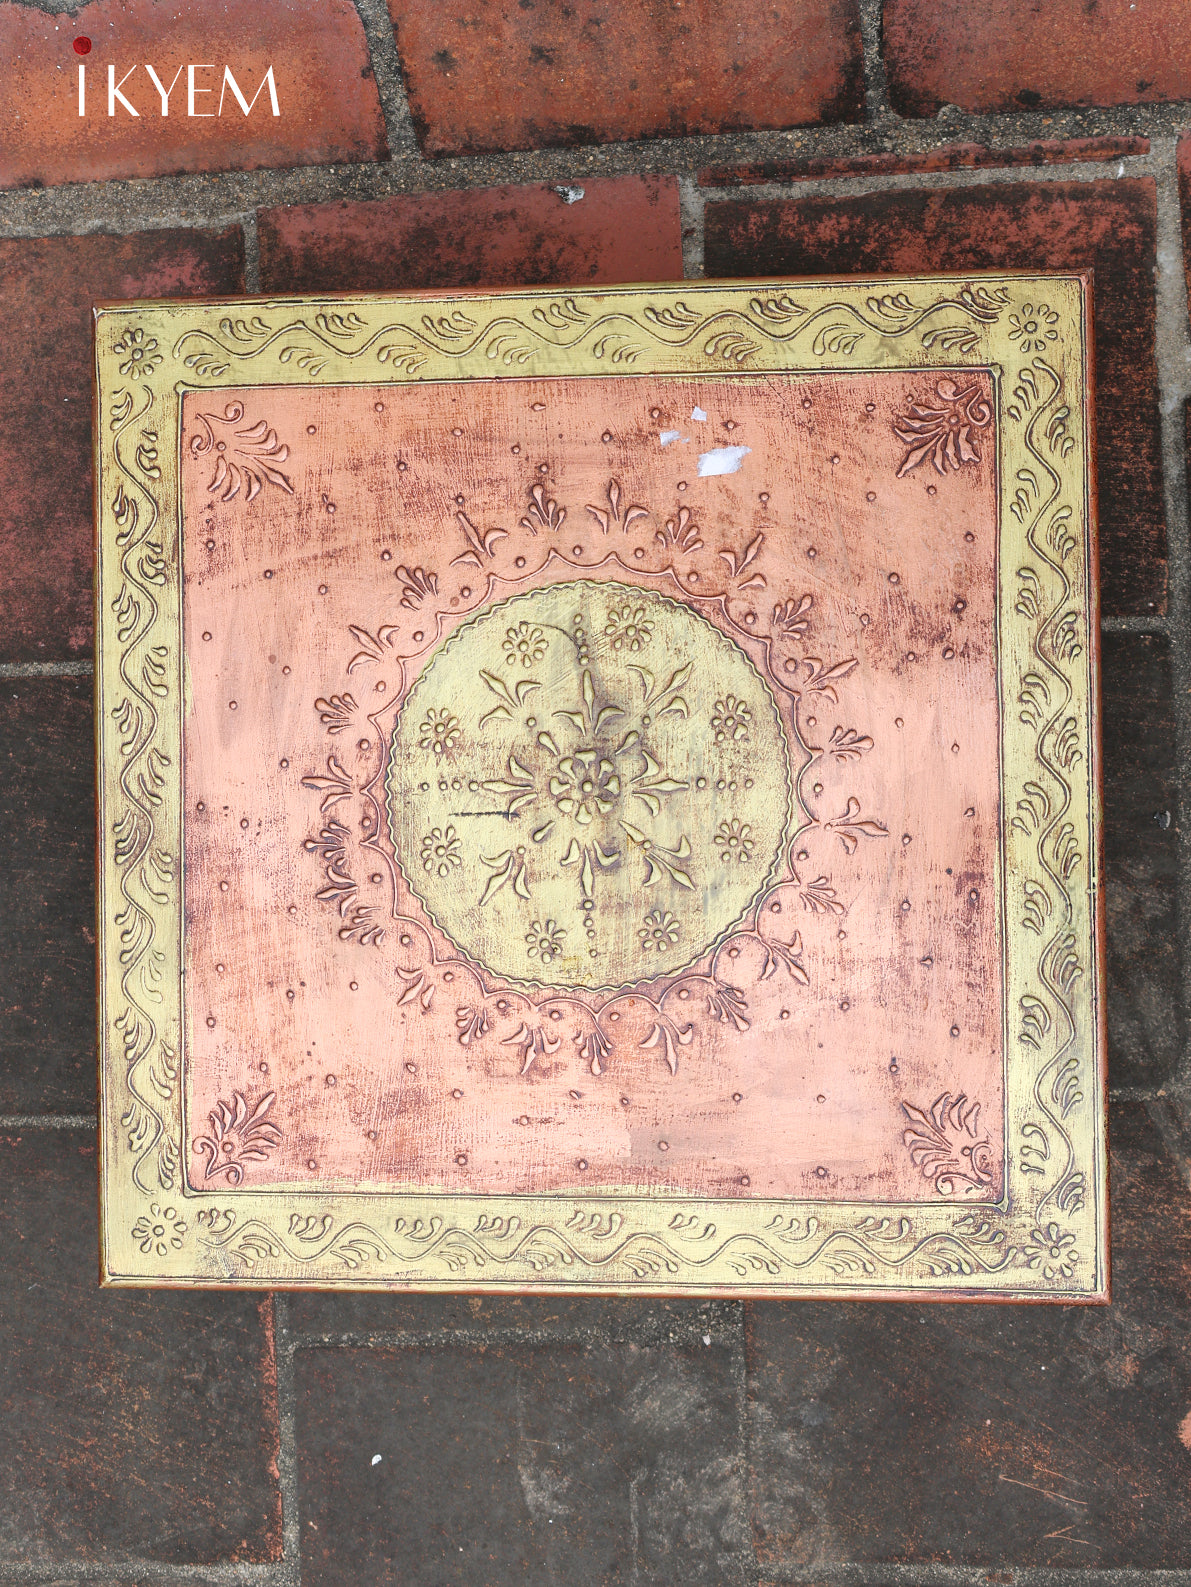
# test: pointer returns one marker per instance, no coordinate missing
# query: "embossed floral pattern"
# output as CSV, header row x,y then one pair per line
x,y
1034,327
138,352
543,940
659,931
589,853
438,732
440,851
526,643
159,1231
1053,1251
240,1132
734,840
585,785
628,627
945,430
948,1146
730,719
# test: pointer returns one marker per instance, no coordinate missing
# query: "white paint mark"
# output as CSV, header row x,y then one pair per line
x,y
706,1339
570,195
376,1459
667,436
723,460
698,414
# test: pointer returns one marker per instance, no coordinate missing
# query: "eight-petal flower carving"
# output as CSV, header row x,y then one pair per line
x,y
439,731
1034,327
524,643
585,785
627,627
159,1230
139,353
659,931
543,940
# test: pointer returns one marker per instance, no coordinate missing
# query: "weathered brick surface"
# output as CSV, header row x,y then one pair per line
x,y
486,76
316,1314
1013,55
621,229
1108,226
544,1467
328,104
947,157
1144,963
47,287
989,1435
47,896
132,1426
1183,165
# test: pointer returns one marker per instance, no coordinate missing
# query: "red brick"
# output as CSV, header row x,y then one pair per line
x,y
47,287
47,896
559,1465
485,75
622,229
1019,55
326,94
1107,226
997,1436
1143,958
947,157
1184,170
322,1313
134,1426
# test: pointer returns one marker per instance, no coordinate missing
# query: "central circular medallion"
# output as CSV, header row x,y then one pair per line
x,y
589,786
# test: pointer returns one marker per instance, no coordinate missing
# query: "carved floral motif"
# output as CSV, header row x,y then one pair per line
x,y
138,353
944,431
1034,327
583,785
160,1230
1051,1250
241,1132
949,1148
247,459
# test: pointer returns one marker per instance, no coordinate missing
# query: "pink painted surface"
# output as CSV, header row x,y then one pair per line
x,y
331,547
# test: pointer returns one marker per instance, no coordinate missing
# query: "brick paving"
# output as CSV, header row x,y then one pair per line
x,y
323,72
208,1438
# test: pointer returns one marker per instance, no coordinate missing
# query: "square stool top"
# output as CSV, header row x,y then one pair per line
x,y
599,790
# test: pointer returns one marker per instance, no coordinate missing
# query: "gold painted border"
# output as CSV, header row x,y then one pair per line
x,y
1048,1237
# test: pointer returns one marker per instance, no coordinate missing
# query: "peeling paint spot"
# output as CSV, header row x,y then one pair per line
x,y
723,460
667,436
698,415
570,195
1185,1431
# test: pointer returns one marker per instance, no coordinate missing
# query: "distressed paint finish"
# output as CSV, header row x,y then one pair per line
x,y
896,555
1108,228
631,953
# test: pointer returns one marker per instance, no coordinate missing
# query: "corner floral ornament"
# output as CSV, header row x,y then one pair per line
x,y
944,431
240,1133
